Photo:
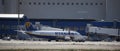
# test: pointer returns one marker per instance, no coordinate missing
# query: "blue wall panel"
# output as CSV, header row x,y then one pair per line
x,y
7,26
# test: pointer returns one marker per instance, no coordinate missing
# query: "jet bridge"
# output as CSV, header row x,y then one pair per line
x,y
106,31
103,33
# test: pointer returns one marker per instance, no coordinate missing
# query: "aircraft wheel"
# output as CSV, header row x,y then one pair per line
x,y
81,41
57,40
76,41
49,40
39,39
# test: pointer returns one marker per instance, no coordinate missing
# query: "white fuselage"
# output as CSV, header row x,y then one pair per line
x,y
61,34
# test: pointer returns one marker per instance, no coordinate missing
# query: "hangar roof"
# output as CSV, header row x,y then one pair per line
x,y
11,15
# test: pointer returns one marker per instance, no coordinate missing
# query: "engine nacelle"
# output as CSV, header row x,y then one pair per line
x,y
79,38
67,38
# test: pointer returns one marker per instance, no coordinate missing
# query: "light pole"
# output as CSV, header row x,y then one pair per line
x,y
18,8
105,9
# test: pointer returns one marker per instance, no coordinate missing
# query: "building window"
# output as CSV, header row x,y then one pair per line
x,y
34,3
77,3
86,3
96,3
20,3
58,3
72,3
91,3
43,3
67,3
53,3
3,2
101,3
39,3
81,3
62,3
29,3
48,3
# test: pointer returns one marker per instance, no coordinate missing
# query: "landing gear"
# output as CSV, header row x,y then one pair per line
x,y
49,40
56,40
79,40
82,41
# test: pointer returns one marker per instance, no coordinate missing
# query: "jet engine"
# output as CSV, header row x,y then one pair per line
x,y
67,37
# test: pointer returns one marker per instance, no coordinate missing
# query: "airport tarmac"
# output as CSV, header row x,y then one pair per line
x,y
17,44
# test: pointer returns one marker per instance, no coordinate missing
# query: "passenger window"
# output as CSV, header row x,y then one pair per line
x,y
75,33
72,3
72,34
64,34
55,33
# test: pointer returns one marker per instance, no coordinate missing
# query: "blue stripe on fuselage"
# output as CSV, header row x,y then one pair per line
x,y
45,36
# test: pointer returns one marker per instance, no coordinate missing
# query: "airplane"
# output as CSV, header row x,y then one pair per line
x,y
51,35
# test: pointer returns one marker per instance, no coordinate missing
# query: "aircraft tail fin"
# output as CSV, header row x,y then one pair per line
x,y
28,25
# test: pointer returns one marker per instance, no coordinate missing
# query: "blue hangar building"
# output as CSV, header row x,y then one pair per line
x,y
73,14
8,26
